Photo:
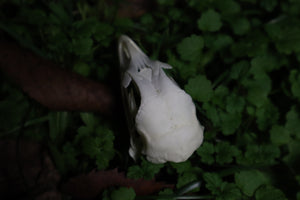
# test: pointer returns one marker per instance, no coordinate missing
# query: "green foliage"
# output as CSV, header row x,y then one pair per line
x,y
186,173
295,83
279,135
225,152
123,193
82,69
222,153
292,122
258,89
228,7
190,48
93,141
185,178
206,151
221,41
58,122
146,170
239,61
234,103
268,193
210,20
259,155
222,190
13,108
199,88
165,192
185,70
240,26
250,181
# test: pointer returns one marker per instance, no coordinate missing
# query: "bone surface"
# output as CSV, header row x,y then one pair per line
x,y
166,117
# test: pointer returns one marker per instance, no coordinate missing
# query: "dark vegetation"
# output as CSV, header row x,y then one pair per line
x,y
62,127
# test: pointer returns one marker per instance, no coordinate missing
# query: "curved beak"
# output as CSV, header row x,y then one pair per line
x,y
128,50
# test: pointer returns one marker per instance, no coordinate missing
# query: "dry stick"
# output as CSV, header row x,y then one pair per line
x,y
52,86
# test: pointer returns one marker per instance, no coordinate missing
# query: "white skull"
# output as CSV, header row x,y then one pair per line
x,y
166,118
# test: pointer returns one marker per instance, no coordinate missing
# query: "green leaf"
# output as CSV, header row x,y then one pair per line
x,y
186,178
185,70
212,113
105,195
210,20
147,170
269,193
279,135
135,172
292,158
230,191
102,34
150,169
58,159
213,182
166,192
147,20
245,47
33,16
182,166
268,5
199,88
228,7
84,28
225,152
258,155
222,41
239,69
258,89
221,190
246,138
266,116
69,154
240,26
100,147
82,46
219,96
175,14
249,181
190,48
82,69
13,108
206,151
60,13
165,2
295,83
230,122
123,24
264,63
58,122
82,132
91,146
285,34
292,122
88,119
123,193
235,103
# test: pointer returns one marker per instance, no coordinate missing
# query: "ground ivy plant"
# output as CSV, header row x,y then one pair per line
x,y
238,59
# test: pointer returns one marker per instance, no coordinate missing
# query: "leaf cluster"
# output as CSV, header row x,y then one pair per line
x,y
238,59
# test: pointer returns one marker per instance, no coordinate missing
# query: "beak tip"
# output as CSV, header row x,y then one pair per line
x,y
124,38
